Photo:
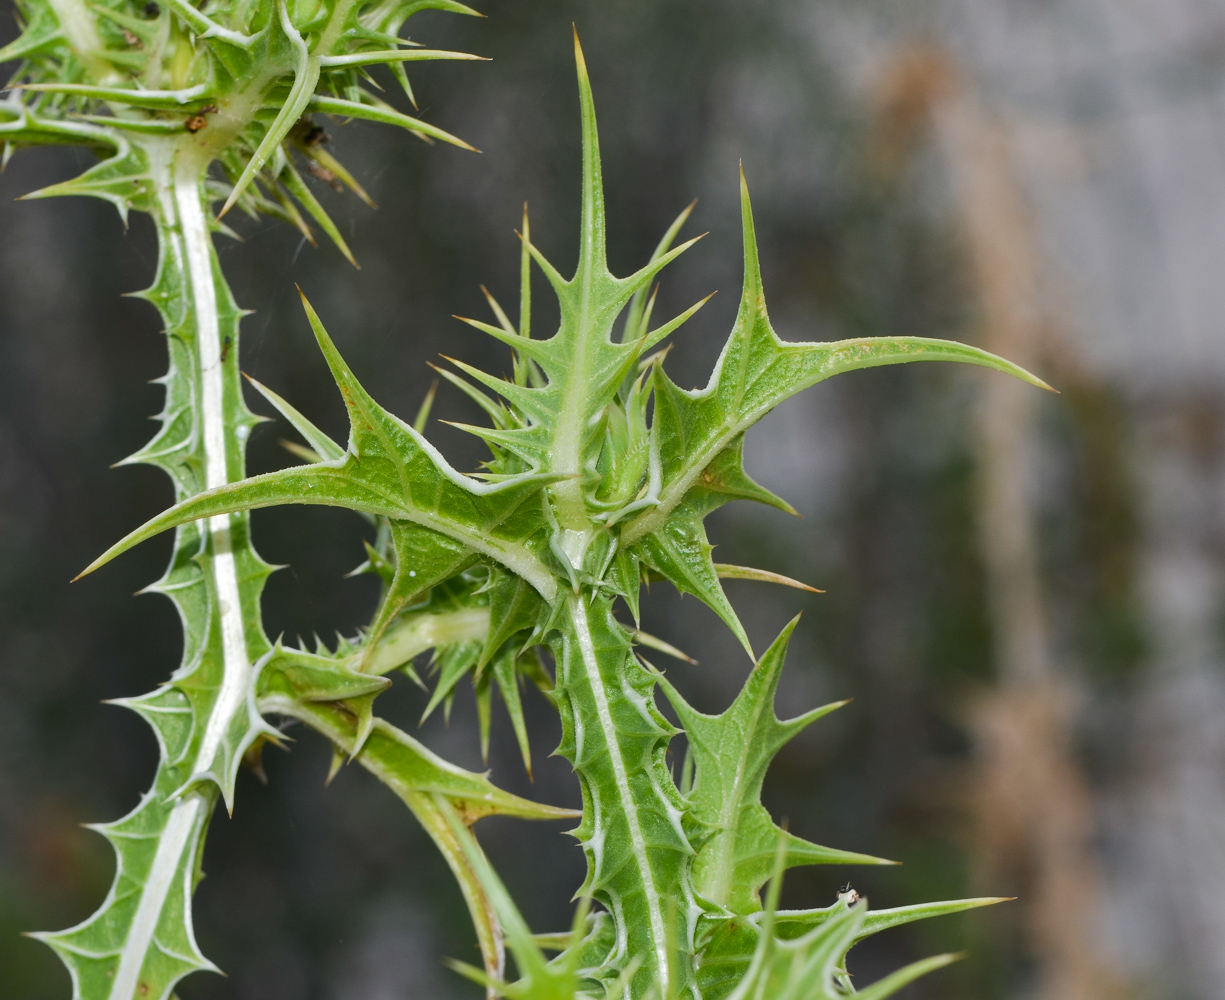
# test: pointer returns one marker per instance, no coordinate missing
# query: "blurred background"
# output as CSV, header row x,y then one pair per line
x,y
1024,591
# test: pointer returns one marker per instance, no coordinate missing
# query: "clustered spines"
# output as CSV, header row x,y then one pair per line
x,y
234,86
583,366
480,622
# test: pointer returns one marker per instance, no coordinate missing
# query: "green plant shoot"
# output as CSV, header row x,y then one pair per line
x,y
601,474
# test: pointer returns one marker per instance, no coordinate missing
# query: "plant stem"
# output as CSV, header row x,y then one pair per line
x,y
637,852
340,727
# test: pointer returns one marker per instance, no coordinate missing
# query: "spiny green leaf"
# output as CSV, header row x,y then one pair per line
x,y
583,366
140,941
390,470
811,967
756,372
730,943
736,837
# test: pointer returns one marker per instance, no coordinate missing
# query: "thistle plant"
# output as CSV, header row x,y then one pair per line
x,y
600,476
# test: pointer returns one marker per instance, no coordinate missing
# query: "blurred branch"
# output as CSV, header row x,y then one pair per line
x,y
1034,808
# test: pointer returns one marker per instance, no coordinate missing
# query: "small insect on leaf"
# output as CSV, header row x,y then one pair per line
x,y
848,895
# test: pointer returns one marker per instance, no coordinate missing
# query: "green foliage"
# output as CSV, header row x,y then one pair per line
x,y
166,80
581,496
601,474
731,753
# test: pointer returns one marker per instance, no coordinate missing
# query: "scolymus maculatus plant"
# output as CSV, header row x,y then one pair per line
x,y
601,474
188,108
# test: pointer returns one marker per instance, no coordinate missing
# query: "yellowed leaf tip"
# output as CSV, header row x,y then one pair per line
x,y
578,51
